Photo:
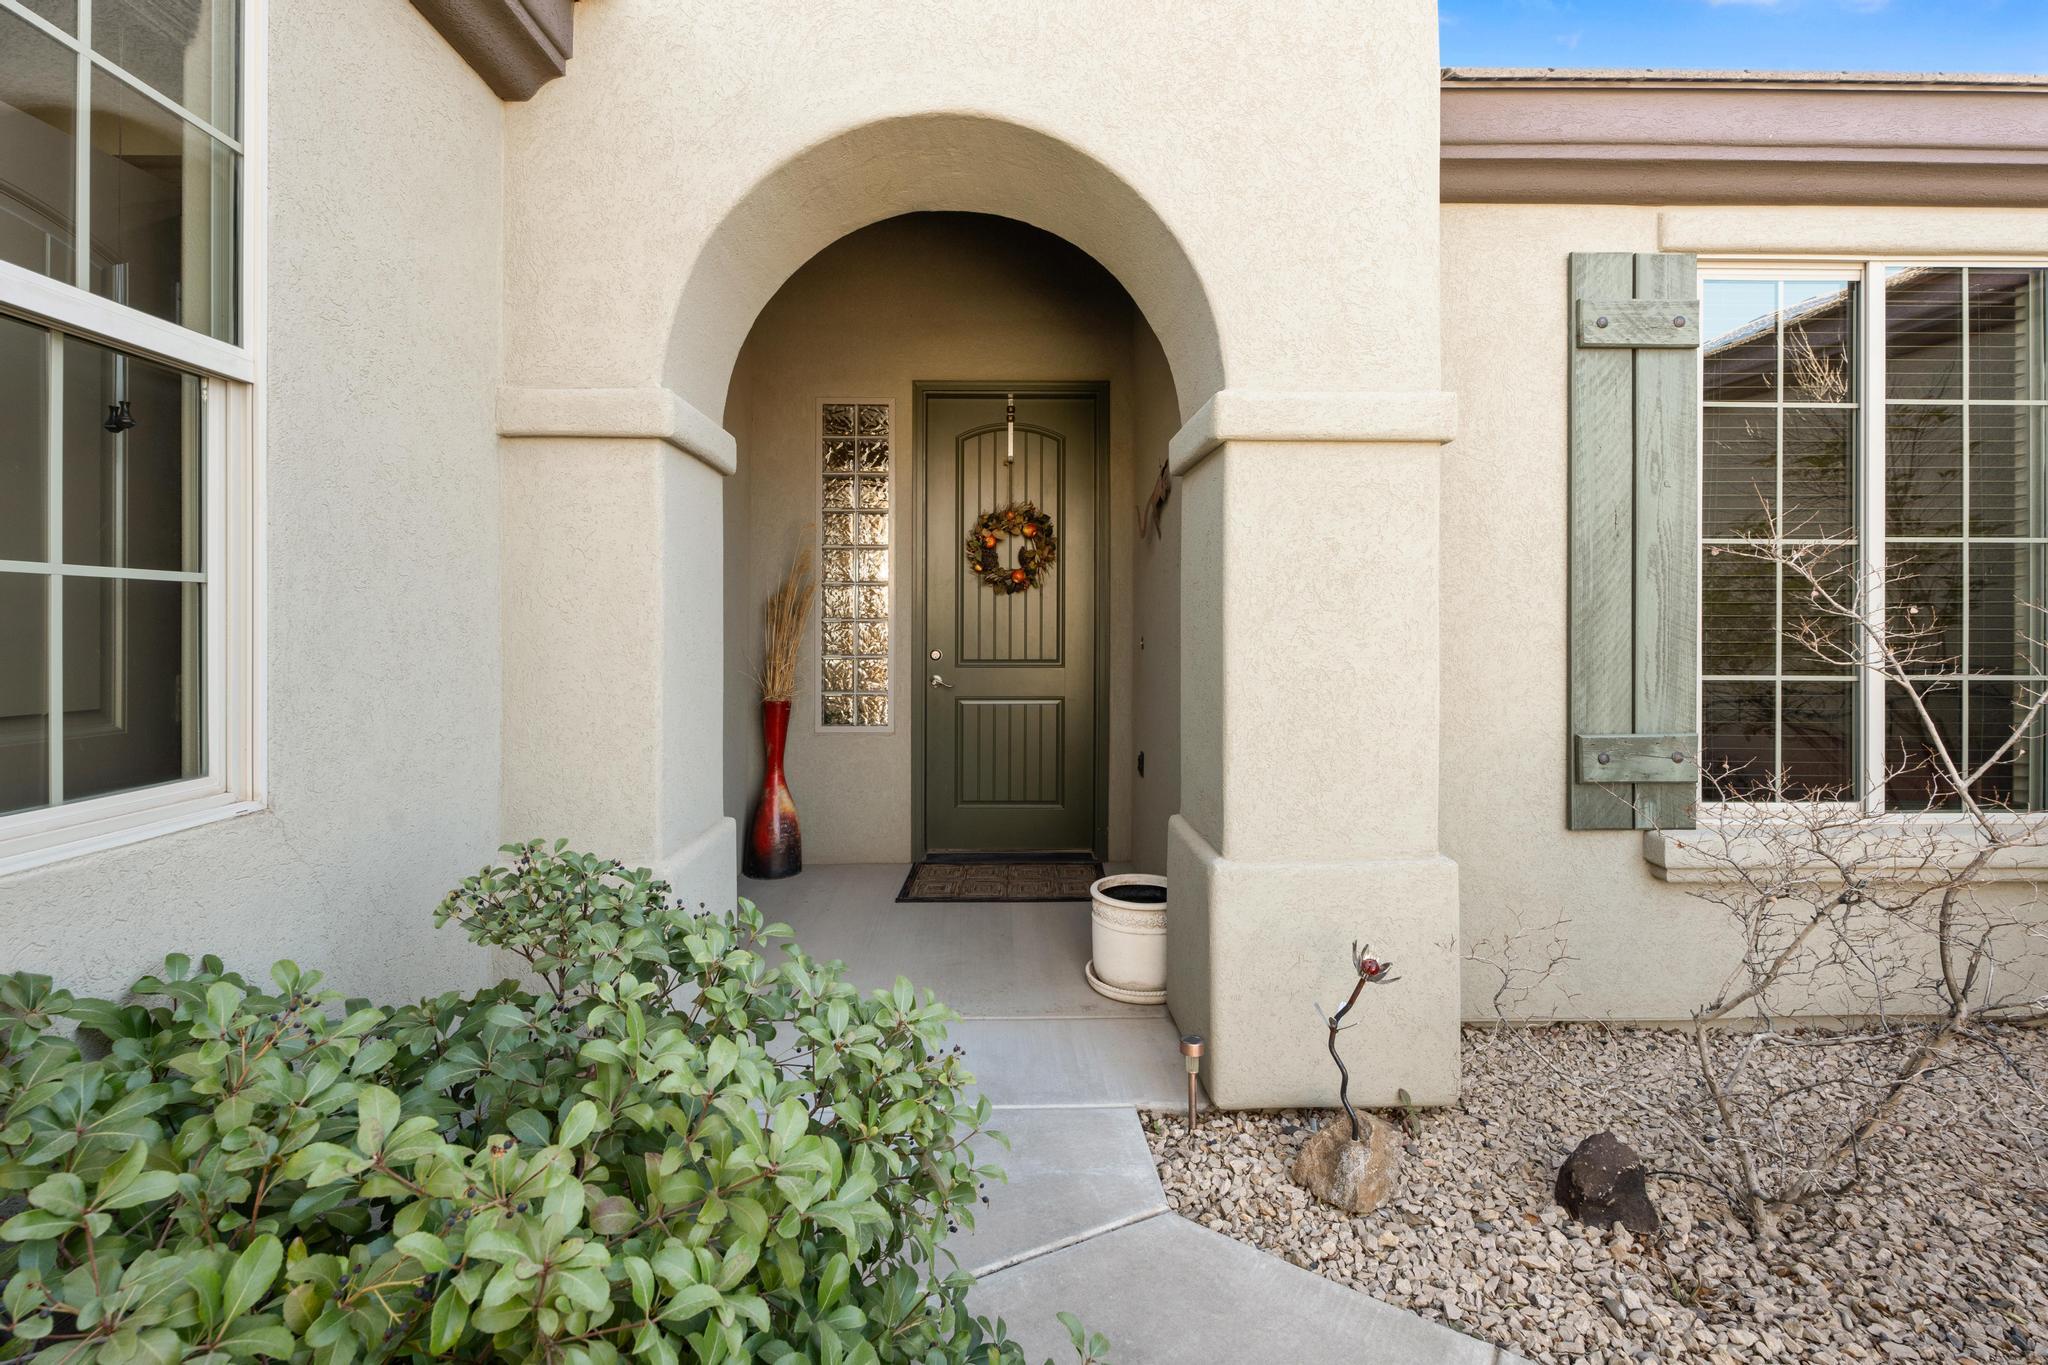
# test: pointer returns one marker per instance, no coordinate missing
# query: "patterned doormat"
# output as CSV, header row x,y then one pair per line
x,y
1044,881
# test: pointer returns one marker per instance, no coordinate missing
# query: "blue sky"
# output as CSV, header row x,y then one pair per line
x,y
1759,35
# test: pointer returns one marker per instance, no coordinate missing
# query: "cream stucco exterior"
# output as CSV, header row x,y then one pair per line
x,y
540,379
381,542
1299,332
1643,947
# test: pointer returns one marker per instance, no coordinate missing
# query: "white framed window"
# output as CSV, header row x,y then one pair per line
x,y
856,553
130,421
1894,412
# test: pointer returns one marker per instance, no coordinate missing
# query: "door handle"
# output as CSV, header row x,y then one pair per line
x,y
938,681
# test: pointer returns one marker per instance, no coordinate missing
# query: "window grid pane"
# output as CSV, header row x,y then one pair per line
x,y
1965,427
1778,448
102,688
156,101
856,524
38,150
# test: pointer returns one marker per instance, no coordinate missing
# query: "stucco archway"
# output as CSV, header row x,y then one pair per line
x,y
1279,237
959,162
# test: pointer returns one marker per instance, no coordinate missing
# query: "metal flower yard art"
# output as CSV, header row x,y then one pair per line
x,y
1371,972
1351,1164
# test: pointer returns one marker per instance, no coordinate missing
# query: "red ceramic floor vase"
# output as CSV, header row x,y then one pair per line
x,y
775,846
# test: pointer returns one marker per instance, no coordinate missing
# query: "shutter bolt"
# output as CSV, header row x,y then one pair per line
x,y
1600,322
1678,321
1604,758
1678,759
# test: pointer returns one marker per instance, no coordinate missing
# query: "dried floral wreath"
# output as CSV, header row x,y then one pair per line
x,y
1040,548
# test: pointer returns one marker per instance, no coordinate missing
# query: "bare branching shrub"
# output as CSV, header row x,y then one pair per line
x,y
1524,961
1875,965
1878,918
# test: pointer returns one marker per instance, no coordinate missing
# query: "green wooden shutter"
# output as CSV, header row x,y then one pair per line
x,y
1635,540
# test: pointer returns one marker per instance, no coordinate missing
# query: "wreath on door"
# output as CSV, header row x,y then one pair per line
x,y
1026,523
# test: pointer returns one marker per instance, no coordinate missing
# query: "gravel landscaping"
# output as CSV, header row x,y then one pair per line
x,y
1948,1264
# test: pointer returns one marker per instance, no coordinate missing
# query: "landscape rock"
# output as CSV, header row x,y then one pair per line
x,y
1354,1176
1954,1248
1603,1183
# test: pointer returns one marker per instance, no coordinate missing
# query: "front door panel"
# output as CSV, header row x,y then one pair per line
x,y
1009,740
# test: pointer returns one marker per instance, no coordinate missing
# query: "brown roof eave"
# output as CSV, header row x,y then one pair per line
x,y
1711,138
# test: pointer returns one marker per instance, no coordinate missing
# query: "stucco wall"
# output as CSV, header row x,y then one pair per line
x,y
925,297
384,241
1076,116
1155,612
1295,295
1644,949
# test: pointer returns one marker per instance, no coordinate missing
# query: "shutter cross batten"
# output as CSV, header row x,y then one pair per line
x,y
1634,461
1636,323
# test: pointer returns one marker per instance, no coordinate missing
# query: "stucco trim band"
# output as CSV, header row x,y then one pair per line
x,y
517,46
617,414
1703,856
1353,418
1854,232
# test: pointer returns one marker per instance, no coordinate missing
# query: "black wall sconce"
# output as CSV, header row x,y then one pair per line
x,y
119,419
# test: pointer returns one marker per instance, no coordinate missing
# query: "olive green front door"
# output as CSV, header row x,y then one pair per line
x,y
1009,678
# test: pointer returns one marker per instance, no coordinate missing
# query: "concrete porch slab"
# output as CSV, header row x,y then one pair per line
x,y
1010,960
1165,1290
1073,1174
1075,1063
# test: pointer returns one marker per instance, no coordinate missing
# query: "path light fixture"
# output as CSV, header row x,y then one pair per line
x,y
1191,1057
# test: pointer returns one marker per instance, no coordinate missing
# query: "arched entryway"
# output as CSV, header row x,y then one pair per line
x,y
1307,437
961,310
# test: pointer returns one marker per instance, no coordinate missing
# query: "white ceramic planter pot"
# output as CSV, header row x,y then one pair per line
x,y
1128,917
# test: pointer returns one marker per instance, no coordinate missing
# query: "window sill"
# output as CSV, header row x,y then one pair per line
x,y
40,838
1705,855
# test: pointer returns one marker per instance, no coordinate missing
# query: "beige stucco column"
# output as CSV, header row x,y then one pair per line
x,y
1309,747
613,625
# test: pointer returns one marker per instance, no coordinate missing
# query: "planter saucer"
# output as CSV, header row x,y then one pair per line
x,y
1118,993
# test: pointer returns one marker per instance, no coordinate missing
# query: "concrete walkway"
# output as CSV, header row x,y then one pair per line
x,y
1082,1225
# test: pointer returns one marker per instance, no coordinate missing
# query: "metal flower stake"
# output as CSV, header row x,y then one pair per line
x,y
1371,972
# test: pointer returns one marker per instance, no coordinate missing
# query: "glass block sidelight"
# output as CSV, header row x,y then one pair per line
x,y
856,445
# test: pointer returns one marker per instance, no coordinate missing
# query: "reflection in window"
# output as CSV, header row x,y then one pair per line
x,y
1966,380
1778,443
1965,540
182,49
855,450
163,207
101,605
158,202
38,122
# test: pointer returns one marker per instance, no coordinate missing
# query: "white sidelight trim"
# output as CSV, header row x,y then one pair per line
x,y
1421,417
617,414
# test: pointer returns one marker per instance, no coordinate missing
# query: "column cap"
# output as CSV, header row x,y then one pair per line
x,y
1421,416
651,413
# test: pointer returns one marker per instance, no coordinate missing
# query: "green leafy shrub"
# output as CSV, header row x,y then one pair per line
x,y
688,1143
